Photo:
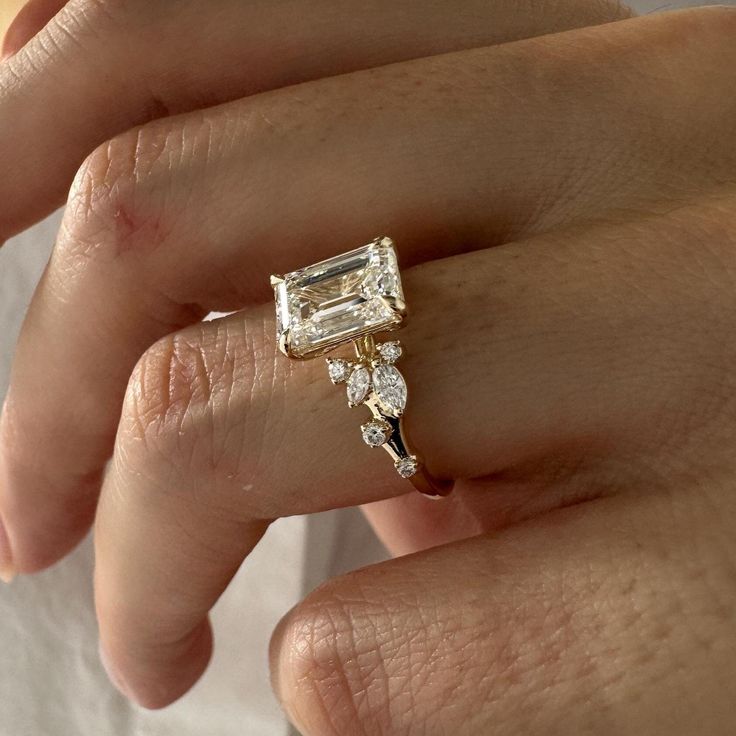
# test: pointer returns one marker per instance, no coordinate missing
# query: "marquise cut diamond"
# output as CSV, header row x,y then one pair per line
x,y
390,389
343,298
359,385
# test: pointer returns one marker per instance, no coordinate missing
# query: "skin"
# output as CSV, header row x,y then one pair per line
x,y
564,210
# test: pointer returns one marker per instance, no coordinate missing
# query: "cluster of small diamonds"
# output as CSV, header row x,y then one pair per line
x,y
384,381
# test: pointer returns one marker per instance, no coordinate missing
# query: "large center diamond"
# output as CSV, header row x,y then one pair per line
x,y
340,299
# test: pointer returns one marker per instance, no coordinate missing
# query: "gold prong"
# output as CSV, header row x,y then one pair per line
x,y
276,280
285,344
365,347
396,305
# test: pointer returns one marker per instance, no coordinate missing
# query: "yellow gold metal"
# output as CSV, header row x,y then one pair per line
x,y
397,445
284,345
371,379
396,305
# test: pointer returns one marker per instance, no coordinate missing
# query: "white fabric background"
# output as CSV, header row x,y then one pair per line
x,y
51,682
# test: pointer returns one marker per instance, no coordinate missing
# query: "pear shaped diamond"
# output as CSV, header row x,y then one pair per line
x,y
359,384
390,389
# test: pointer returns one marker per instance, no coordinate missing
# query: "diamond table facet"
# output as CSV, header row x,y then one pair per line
x,y
343,298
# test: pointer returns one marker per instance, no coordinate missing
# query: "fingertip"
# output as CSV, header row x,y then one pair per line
x,y
275,652
162,673
43,518
280,652
112,673
8,569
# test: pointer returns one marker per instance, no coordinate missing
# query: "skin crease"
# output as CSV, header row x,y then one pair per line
x,y
571,327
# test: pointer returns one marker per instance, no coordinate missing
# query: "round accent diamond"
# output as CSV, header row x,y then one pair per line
x,y
375,433
407,466
338,369
390,351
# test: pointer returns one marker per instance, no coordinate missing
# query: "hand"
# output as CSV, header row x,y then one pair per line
x,y
577,379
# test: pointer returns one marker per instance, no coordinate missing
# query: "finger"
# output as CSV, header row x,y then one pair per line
x,y
33,16
578,622
99,68
219,436
136,260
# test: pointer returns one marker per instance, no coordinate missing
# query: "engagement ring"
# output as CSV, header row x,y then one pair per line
x,y
349,299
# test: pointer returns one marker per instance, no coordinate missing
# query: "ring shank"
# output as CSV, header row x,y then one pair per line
x,y
430,486
398,446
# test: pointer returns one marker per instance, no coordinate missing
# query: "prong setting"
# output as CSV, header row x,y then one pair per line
x,y
341,299
376,432
349,299
339,370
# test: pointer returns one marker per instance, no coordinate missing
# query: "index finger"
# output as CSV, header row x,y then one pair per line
x,y
99,68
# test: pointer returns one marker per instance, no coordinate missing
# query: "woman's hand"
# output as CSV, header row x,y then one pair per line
x,y
577,380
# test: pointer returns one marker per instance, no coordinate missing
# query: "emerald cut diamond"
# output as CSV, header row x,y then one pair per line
x,y
341,299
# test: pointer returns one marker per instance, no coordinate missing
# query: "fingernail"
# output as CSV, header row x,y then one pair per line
x,y
7,569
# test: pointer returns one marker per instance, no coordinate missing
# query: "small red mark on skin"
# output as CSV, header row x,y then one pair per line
x,y
134,231
125,225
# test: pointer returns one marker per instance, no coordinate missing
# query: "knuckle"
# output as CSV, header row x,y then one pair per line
x,y
193,400
115,204
359,659
352,663
321,675
172,382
